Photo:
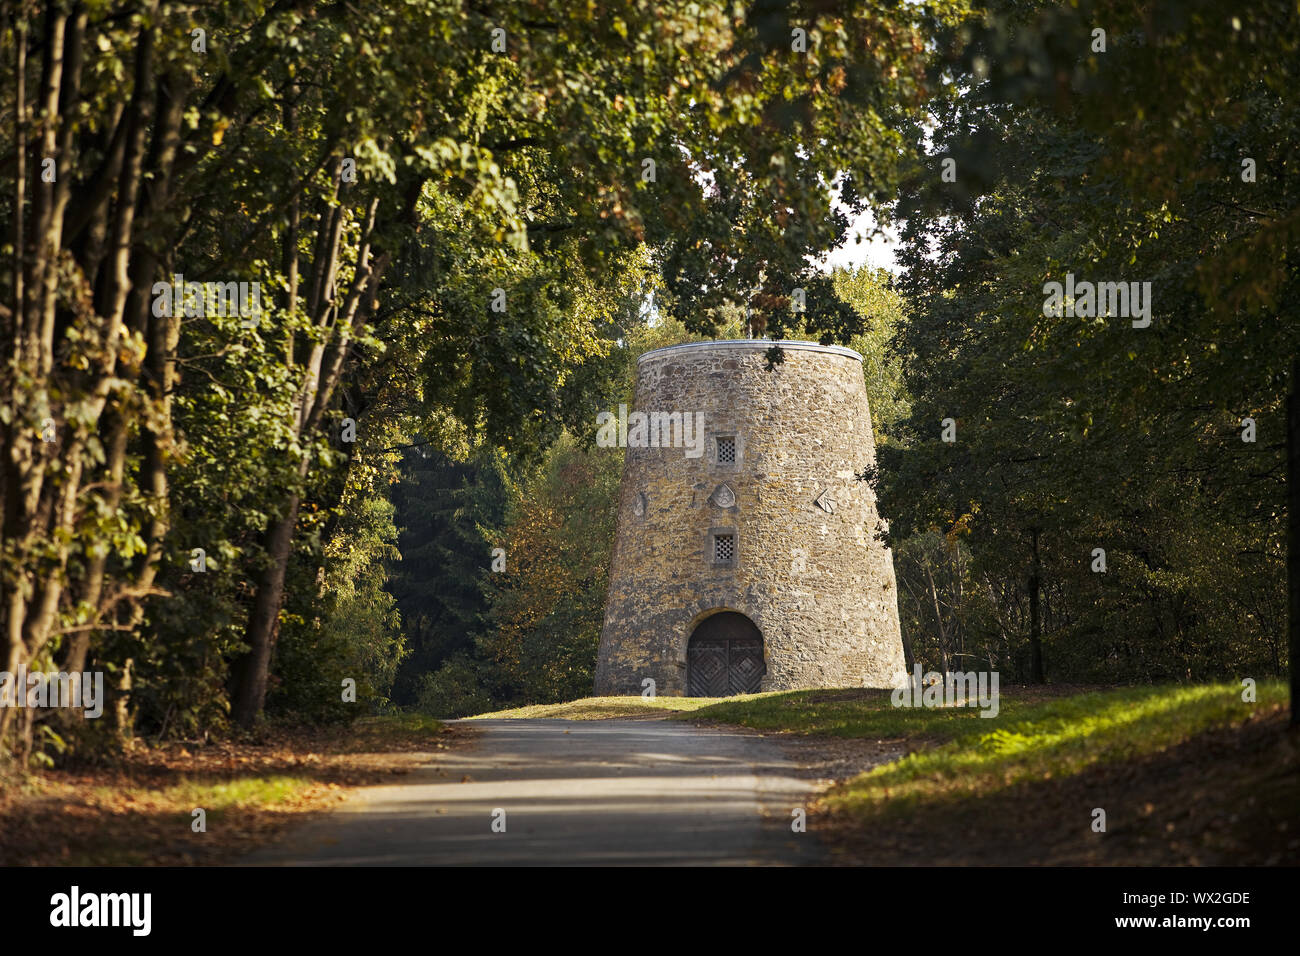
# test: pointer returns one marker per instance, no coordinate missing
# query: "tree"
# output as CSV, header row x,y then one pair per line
x,y
1203,89
1075,432
384,194
448,511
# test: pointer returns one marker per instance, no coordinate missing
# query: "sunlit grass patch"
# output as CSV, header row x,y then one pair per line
x,y
219,796
1052,739
601,708
392,727
850,713
956,752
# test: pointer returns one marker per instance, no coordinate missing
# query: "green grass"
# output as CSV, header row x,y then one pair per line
x,y
220,796
852,713
956,753
405,722
391,728
1048,739
602,708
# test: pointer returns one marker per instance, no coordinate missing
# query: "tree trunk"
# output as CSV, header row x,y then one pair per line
x,y
1293,534
11,482
1035,636
251,671
322,376
938,618
908,660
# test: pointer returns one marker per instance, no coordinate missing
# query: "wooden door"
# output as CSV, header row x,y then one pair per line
x,y
724,657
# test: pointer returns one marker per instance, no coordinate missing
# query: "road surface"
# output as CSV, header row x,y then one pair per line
x,y
573,792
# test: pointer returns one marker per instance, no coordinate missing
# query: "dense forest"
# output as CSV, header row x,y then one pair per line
x,y
308,310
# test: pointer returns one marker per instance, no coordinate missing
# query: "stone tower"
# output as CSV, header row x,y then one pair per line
x,y
746,556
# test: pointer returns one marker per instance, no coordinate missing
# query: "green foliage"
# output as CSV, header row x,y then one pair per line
x,y
354,631
872,296
447,511
1081,433
458,688
476,169
537,637
524,171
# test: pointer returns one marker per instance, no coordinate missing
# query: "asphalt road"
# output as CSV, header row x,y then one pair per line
x,y
573,792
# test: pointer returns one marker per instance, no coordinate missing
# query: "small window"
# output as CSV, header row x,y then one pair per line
x,y
724,548
727,451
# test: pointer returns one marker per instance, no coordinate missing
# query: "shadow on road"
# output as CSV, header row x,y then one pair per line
x,y
558,792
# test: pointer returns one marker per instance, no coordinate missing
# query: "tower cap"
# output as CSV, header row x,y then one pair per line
x,y
764,344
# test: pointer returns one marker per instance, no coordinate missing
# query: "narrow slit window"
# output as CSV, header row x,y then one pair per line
x,y
724,548
726,451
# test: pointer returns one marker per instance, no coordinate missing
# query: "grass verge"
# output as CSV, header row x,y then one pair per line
x,y
1186,774
602,708
139,810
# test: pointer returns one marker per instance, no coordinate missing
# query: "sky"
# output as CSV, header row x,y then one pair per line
x,y
874,251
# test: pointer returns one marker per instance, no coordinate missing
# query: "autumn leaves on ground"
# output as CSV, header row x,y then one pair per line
x,y
139,811
1185,774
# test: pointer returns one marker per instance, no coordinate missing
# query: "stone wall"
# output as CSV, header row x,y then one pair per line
x,y
808,569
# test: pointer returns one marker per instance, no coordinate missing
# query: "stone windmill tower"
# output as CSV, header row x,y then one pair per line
x,y
746,556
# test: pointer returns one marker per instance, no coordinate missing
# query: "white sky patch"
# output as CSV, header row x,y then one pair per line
x,y
865,245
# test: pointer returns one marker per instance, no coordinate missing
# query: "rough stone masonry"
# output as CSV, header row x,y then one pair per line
x,y
768,523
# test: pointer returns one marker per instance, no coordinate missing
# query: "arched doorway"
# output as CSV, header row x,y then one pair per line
x,y
724,657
